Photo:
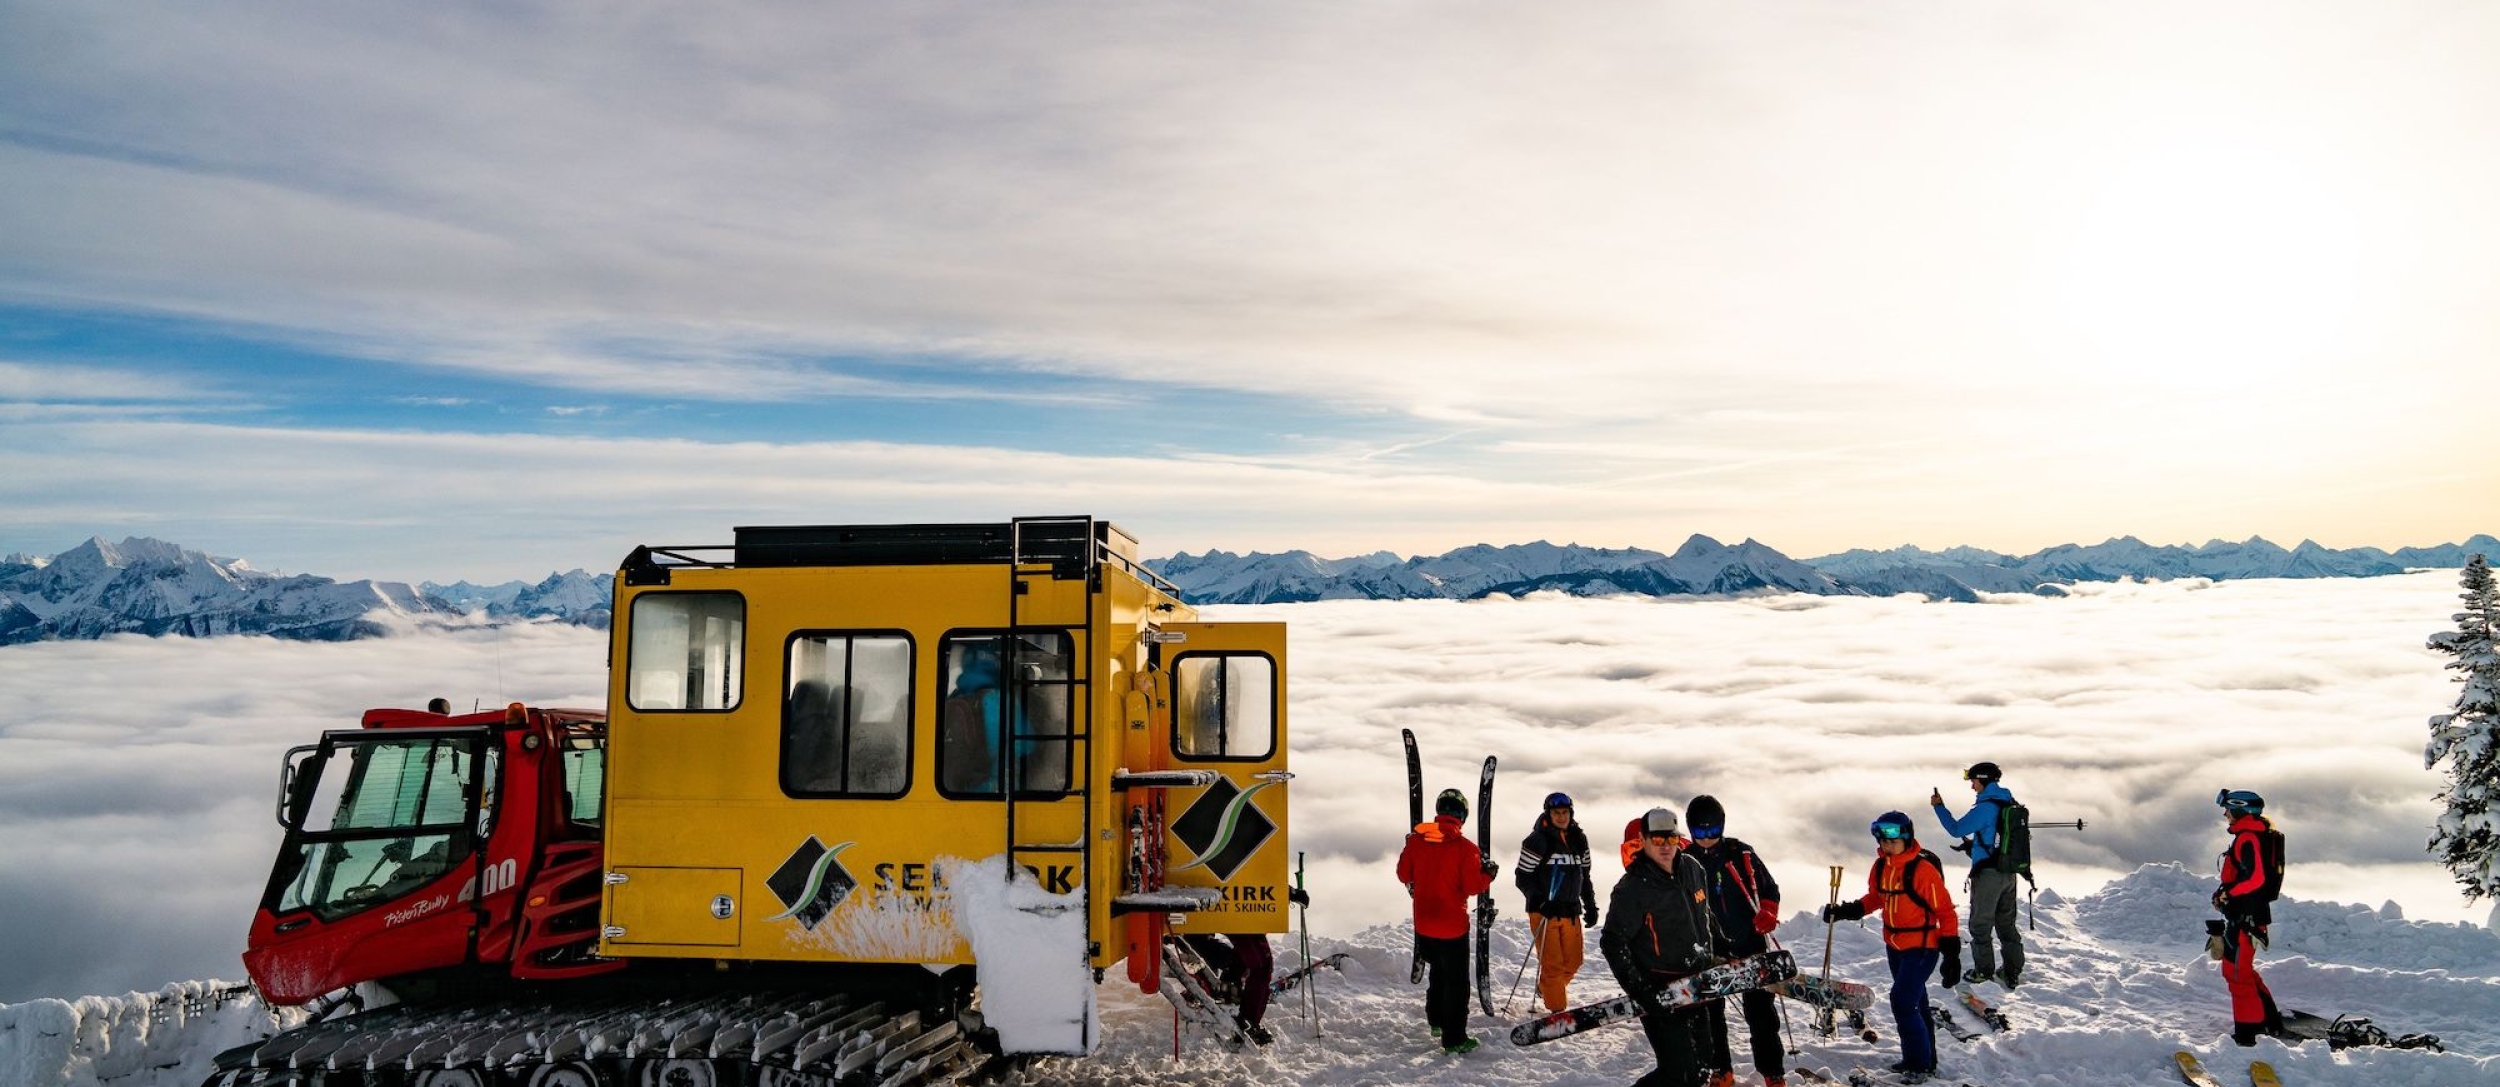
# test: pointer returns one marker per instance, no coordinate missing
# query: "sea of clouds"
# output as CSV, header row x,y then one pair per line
x,y
138,776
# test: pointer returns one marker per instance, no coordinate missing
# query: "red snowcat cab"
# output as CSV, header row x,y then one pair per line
x,y
430,845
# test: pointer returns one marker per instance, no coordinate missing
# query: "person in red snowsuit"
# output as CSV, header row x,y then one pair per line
x,y
2247,903
1441,869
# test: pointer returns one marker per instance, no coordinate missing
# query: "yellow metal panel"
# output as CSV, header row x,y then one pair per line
x,y
675,906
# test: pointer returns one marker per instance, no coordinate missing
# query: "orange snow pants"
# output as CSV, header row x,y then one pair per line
x,y
1557,959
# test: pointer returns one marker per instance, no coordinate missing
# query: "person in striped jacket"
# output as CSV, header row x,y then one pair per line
x,y
1554,874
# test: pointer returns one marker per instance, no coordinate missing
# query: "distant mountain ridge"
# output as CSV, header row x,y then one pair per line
x,y
1706,567
147,586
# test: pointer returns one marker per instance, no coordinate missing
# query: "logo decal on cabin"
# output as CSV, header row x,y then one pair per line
x,y
1223,828
811,883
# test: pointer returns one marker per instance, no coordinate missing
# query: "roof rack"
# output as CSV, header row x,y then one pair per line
x,y
1060,541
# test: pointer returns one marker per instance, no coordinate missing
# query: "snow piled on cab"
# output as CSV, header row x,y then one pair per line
x,y
1036,990
169,1037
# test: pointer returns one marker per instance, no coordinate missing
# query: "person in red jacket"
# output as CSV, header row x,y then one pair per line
x,y
2246,899
1441,869
1907,887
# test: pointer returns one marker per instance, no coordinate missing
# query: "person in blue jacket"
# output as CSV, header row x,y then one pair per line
x,y
1993,916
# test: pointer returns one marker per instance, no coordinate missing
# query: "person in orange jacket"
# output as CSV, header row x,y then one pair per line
x,y
1441,869
1907,887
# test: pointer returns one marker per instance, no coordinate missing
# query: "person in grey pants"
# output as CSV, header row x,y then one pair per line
x,y
1992,906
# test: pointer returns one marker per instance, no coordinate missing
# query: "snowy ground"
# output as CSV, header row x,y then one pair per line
x,y
2117,982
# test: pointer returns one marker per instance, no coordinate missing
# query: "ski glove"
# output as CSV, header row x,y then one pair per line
x,y
1952,948
1766,918
1650,998
1588,917
1492,869
1844,911
1298,897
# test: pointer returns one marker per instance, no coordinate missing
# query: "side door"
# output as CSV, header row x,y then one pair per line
x,y
1228,715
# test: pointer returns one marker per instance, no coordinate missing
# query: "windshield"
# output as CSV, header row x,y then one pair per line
x,y
383,818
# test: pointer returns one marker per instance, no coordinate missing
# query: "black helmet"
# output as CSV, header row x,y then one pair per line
x,y
1557,800
1986,772
1705,813
1892,826
1450,802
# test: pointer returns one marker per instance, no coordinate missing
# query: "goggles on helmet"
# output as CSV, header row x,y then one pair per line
x,y
1888,832
1700,831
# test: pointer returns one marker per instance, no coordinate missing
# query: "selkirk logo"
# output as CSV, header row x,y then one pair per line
x,y
1223,828
810,883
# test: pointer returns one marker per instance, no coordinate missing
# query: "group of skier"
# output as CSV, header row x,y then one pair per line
x,y
1691,897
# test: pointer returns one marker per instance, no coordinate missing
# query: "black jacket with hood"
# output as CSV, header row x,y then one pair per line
x,y
1554,871
1658,924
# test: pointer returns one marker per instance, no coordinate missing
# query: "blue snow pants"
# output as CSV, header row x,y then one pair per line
x,y
1910,971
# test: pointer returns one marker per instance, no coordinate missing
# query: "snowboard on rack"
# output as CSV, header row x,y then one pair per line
x,y
1980,1007
1484,899
1414,818
1294,980
1827,993
1744,974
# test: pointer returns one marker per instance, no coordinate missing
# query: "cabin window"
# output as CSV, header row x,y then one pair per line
x,y
687,652
982,673
1224,706
846,717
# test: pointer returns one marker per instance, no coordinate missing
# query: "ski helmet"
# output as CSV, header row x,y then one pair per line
x,y
1986,772
1662,821
1707,818
1892,826
2240,802
1450,802
1557,800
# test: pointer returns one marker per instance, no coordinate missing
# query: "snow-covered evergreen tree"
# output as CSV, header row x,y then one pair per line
x,y
2467,839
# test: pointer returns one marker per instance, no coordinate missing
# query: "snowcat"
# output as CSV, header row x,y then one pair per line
x,y
869,804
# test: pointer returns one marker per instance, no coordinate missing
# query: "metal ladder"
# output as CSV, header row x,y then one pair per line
x,y
1076,697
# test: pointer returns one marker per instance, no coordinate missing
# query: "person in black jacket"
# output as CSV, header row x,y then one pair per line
x,y
1562,896
1745,902
1658,929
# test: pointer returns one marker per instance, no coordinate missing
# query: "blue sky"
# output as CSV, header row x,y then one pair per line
x,y
486,289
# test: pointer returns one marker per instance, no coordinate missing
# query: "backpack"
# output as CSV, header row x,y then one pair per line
x,y
2270,863
2013,849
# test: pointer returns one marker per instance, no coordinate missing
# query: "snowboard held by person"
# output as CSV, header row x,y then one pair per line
x,y
1906,888
1745,903
1554,875
1658,929
1994,916
1441,871
2246,901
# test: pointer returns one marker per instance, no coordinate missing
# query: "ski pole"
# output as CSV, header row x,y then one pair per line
x,y
1310,994
1536,942
1823,1020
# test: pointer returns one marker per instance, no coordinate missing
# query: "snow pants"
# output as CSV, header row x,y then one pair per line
x,y
1675,1036
1445,993
1994,918
1762,1030
1558,956
1910,971
2253,1011
1258,971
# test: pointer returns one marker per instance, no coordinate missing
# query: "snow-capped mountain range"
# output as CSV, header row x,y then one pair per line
x,y
1704,566
147,586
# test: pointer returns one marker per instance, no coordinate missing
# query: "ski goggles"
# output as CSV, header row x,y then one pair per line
x,y
1888,832
1701,832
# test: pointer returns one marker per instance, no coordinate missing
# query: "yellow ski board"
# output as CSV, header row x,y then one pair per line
x,y
2192,1070
2262,1074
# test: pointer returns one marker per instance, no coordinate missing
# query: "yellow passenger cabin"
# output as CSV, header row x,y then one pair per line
x,y
813,729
